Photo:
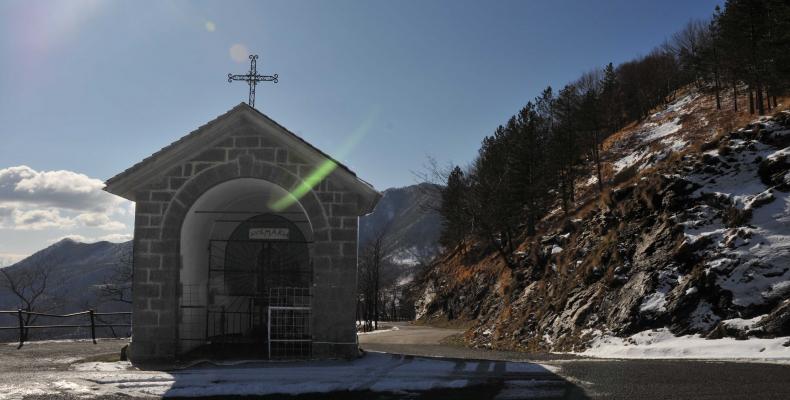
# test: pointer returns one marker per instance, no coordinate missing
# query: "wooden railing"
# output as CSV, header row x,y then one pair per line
x,y
92,315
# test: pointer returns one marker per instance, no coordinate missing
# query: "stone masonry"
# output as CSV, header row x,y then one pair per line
x,y
161,206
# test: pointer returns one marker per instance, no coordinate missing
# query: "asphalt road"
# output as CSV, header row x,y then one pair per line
x,y
608,379
561,377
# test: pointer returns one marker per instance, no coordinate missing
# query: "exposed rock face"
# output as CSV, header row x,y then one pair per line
x,y
698,244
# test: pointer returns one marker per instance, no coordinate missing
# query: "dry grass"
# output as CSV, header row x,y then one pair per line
x,y
703,129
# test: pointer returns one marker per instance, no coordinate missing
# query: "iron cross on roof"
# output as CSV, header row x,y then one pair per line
x,y
252,78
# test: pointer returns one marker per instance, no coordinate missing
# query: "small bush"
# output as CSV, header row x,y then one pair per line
x,y
734,217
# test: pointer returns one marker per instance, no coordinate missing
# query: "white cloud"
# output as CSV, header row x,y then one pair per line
x,y
39,219
7,259
101,221
38,200
59,189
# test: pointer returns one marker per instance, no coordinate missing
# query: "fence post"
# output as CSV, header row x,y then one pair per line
x,y
93,327
21,328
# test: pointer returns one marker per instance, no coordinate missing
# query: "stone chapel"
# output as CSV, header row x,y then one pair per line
x,y
245,244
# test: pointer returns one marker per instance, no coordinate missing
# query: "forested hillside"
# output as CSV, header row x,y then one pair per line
x,y
643,195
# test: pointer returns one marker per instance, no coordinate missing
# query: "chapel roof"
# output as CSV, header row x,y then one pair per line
x,y
120,183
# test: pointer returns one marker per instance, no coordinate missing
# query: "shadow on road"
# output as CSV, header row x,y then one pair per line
x,y
375,376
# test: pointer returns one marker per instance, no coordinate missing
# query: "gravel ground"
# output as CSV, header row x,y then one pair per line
x,y
55,355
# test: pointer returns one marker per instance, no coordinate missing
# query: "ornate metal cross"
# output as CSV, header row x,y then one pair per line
x,y
252,78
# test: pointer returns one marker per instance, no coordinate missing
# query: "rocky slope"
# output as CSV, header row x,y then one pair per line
x,y
692,238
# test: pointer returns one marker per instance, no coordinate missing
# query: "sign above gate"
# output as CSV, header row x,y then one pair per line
x,y
269,233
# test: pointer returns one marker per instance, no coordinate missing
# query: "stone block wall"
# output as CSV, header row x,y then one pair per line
x,y
160,211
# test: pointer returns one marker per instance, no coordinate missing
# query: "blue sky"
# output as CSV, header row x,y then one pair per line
x,y
91,87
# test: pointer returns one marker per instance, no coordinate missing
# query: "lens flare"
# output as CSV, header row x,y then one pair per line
x,y
239,52
327,166
211,26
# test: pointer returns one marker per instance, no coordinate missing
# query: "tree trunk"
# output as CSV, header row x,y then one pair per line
x,y
716,80
760,105
751,100
376,300
735,95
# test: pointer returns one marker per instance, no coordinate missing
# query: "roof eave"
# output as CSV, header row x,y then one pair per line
x,y
125,183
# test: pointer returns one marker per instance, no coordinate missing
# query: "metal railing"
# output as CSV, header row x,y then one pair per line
x,y
92,315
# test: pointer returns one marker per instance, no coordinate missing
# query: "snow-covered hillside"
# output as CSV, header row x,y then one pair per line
x,y
692,242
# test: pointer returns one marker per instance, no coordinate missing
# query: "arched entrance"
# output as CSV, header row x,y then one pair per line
x,y
259,289
247,274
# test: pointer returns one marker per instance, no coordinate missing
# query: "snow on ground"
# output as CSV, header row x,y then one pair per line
x,y
654,131
661,344
743,324
680,105
631,159
389,329
750,260
45,342
375,371
658,136
103,366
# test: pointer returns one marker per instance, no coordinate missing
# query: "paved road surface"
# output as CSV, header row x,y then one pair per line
x,y
561,377
609,379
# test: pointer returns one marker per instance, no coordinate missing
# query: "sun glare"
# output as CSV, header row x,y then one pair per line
x,y
239,52
328,166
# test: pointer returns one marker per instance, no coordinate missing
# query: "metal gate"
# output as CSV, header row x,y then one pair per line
x,y
258,297
290,334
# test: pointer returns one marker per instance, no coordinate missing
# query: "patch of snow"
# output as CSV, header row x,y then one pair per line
x,y
658,131
556,249
675,144
374,371
779,154
654,303
678,106
743,324
102,366
631,159
662,344
749,260
36,342
390,329
703,317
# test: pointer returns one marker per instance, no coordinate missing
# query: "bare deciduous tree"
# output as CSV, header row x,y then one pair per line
x,y
117,287
371,259
33,287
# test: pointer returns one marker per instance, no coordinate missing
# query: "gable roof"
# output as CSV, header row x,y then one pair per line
x,y
125,183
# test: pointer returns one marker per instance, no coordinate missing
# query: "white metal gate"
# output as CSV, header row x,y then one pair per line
x,y
289,333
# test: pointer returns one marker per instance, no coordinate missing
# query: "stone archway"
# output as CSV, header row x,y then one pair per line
x,y
177,216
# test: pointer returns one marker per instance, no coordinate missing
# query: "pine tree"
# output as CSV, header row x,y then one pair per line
x,y
453,209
